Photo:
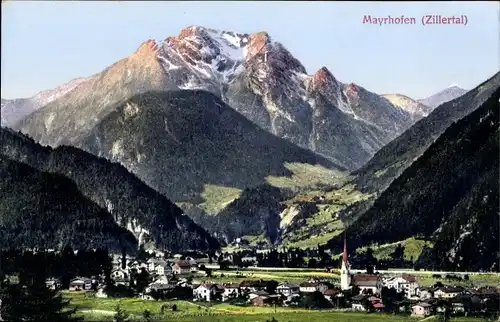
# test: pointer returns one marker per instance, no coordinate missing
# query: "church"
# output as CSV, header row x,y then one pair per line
x,y
365,282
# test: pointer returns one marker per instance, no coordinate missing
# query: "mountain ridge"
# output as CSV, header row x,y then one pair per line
x,y
446,95
46,210
134,205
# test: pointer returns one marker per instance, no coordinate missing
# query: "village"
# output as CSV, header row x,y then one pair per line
x,y
183,277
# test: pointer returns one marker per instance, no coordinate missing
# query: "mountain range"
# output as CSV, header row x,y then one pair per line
x,y
253,74
232,129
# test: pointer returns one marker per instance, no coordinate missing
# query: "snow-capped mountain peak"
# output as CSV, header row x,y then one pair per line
x,y
210,53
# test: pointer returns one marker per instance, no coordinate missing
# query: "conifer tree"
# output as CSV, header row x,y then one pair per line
x,y
34,302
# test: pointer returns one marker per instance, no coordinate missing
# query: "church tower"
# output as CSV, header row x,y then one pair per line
x,y
345,275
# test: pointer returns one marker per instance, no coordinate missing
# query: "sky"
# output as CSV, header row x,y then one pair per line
x,y
48,43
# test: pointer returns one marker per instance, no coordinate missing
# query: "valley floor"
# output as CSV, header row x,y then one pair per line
x,y
98,309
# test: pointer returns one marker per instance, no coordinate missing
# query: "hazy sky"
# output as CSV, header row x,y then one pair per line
x,y
45,44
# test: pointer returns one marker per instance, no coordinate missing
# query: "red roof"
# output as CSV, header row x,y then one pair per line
x,y
331,292
409,278
183,263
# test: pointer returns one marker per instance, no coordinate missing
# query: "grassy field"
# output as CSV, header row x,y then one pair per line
x,y
413,249
307,176
217,197
316,316
96,309
475,280
324,224
280,276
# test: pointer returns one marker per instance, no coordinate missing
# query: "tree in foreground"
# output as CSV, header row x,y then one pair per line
x,y
147,316
34,302
120,315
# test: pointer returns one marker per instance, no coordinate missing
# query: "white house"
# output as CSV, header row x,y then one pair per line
x,y
288,289
424,293
101,293
307,287
205,292
230,291
80,284
53,283
310,287
405,283
119,274
181,267
421,309
367,282
161,280
252,286
447,292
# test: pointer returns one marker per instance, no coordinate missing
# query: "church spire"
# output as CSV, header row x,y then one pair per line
x,y
344,256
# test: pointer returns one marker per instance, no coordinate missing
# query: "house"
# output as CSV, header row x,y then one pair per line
x,y
207,292
264,300
191,261
421,309
80,284
307,287
119,273
253,295
424,293
122,281
158,266
181,267
101,293
406,283
310,287
53,283
250,260
162,268
447,292
288,289
358,302
253,286
331,294
161,280
155,287
230,291
367,282
261,300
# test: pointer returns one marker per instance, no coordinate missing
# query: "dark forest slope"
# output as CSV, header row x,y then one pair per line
x,y
450,195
